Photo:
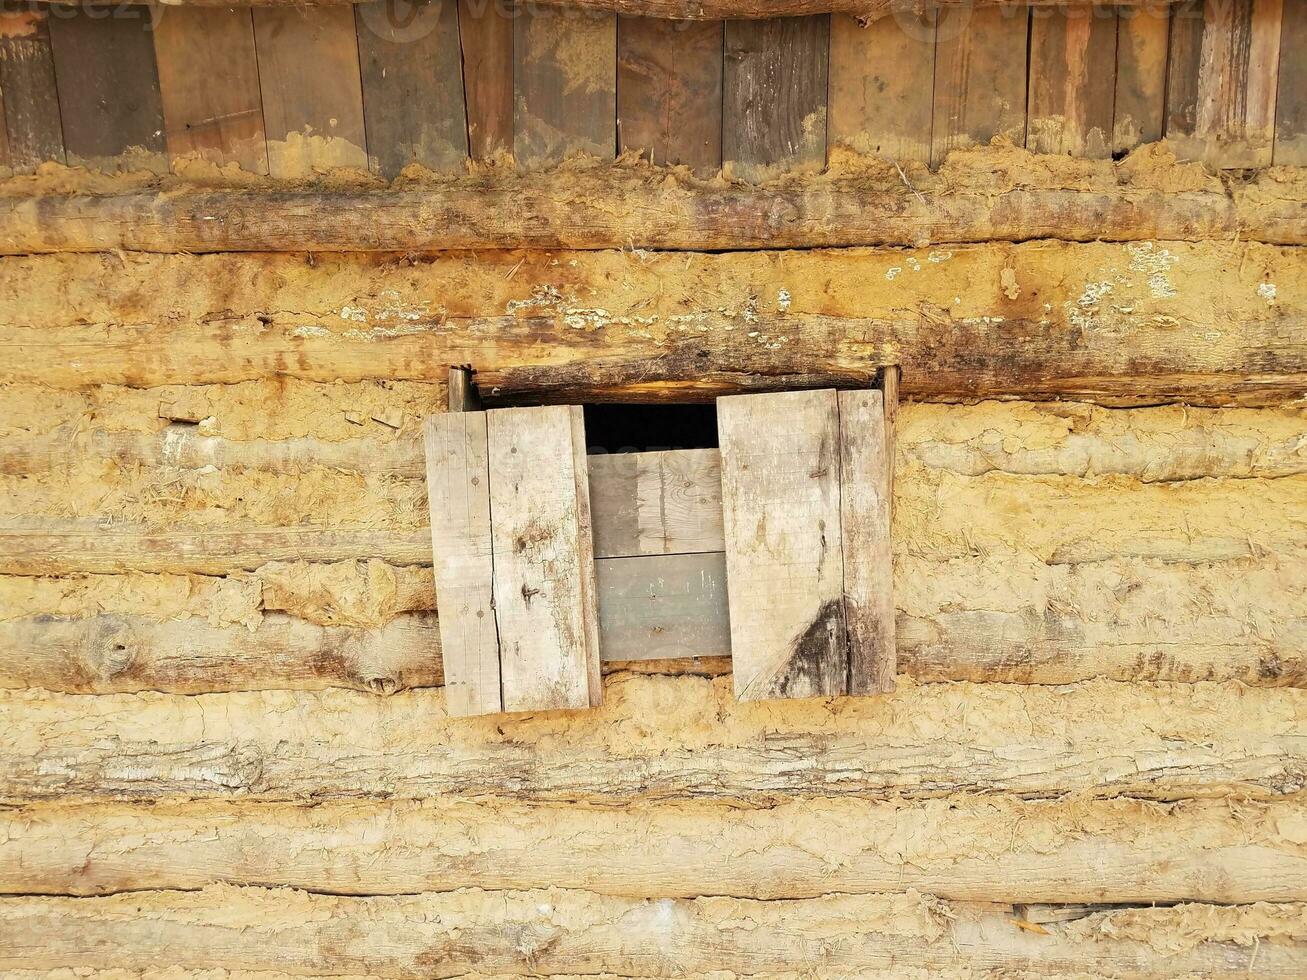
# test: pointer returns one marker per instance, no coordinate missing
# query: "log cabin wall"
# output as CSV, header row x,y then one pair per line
x,y
223,740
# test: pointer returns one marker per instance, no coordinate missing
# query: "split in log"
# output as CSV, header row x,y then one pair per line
x,y
1161,741
568,931
993,194
962,848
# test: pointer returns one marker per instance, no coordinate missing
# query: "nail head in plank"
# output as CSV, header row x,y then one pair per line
x,y
1139,104
656,503
660,607
412,85
458,492
881,80
669,91
866,488
108,86
780,462
1291,101
486,34
980,78
564,85
27,85
221,122
312,92
544,559
1072,80
774,94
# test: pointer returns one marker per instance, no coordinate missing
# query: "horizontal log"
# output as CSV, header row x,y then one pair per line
x,y
1008,620
560,931
994,194
961,848
1166,741
1158,444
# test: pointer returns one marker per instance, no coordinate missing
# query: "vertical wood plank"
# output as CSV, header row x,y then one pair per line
x,y
774,93
1224,112
780,462
866,488
1140,98
108,86
458,493
564,85
412,85
1072,80
669,91
882,85
1183,56
209,79
980,78
544,559
1291,103
462,393
27,85
485,30
312,92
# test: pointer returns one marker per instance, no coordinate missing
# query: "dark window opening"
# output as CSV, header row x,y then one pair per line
x,y
615,428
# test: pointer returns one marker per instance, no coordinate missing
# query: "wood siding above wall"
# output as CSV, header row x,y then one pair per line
x,y
443,81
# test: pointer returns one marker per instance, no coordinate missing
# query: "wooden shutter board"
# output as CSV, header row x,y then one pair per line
x,y
656,503
108,89
221,122
669,91
1291,101
882,85
785,576
312,91
412,76
458,493
866,490
774,91
32,123
663,607
542,544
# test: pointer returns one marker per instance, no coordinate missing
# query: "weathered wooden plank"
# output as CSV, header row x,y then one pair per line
x,y
1291,99
108,87
659,503
1230,92
209,79
485,33
780,464
1073,53
33,127
980,79
661,607
412,75
866,493
312,91
669,91
463,395
458,489
882,84
620,209
774,83
964,847
564,86
543,549
1139,102
1184,55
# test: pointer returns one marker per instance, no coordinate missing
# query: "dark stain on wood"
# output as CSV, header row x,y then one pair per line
x,y
818,663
